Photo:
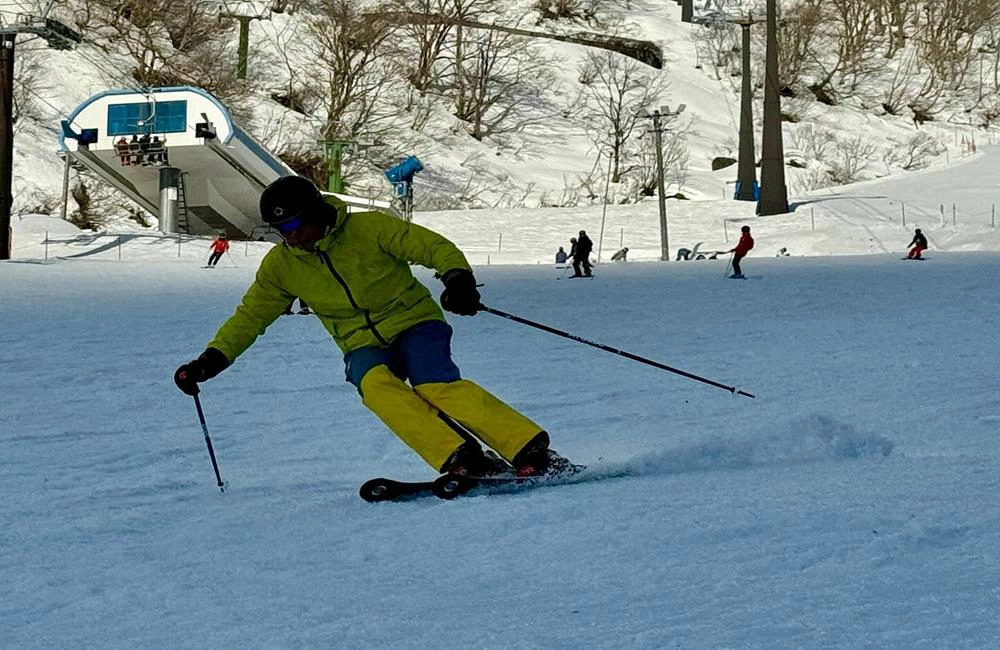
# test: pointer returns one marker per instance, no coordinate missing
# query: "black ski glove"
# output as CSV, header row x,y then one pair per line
x,y
209,364
460,295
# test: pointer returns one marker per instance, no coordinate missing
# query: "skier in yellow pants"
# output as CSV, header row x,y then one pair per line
x,y
353,270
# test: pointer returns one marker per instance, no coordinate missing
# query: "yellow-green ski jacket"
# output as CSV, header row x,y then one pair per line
x,y
357,281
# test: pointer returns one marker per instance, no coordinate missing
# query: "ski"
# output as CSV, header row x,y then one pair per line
x,y
386,489
450,486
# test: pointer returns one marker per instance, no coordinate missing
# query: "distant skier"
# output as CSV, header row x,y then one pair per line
x,y
581,255
354,269
621,255
218,247
561,256
919,244
744,246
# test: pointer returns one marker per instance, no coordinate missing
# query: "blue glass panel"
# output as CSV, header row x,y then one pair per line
x,y
128,119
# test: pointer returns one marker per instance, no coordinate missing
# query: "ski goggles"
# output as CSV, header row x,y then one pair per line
x,y
289,226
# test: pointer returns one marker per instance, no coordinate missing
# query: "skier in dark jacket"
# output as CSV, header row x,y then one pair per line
x,y
354,270
919,244
581,255
743,246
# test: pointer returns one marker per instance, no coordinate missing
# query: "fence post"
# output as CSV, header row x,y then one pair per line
x,y
993,217
953,211
725,230
903,208
812,217
178,245
621,239
119,248
46,244
500,243
941,208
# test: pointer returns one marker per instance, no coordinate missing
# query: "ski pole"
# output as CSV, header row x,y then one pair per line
x,y
232,260
608,348
208,441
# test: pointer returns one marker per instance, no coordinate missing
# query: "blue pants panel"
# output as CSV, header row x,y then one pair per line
x,y
420,355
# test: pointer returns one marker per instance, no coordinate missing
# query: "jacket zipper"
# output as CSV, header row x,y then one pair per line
x,y
368,318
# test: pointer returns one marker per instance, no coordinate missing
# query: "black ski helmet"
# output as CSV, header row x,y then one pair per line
x,y
293,196
745,229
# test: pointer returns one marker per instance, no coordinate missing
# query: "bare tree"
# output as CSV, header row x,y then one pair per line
x,y
719,44
503,78
29,85
858,39
675,158
914,153
171,42
356,64
798,31
853,156
617,91
948,32
431,38
891,17
898,92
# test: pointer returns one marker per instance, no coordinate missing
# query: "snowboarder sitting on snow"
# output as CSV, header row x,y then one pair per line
x,y
561,256
218,246
620,256
919,244
354,269
581,255
743,246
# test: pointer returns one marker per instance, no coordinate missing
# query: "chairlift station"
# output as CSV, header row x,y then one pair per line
x,y
176,152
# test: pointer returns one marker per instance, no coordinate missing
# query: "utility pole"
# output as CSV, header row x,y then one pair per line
x,y
58,36
6,140
244,46
746,178
658,114
687,11
773,192
333,153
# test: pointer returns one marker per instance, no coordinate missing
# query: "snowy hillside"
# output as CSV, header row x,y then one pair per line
x,y
551,161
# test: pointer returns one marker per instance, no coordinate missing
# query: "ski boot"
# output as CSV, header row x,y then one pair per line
x,y
470,460
536,459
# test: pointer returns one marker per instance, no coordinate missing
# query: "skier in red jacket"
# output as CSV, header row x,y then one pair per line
x,y
744,246
219,246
